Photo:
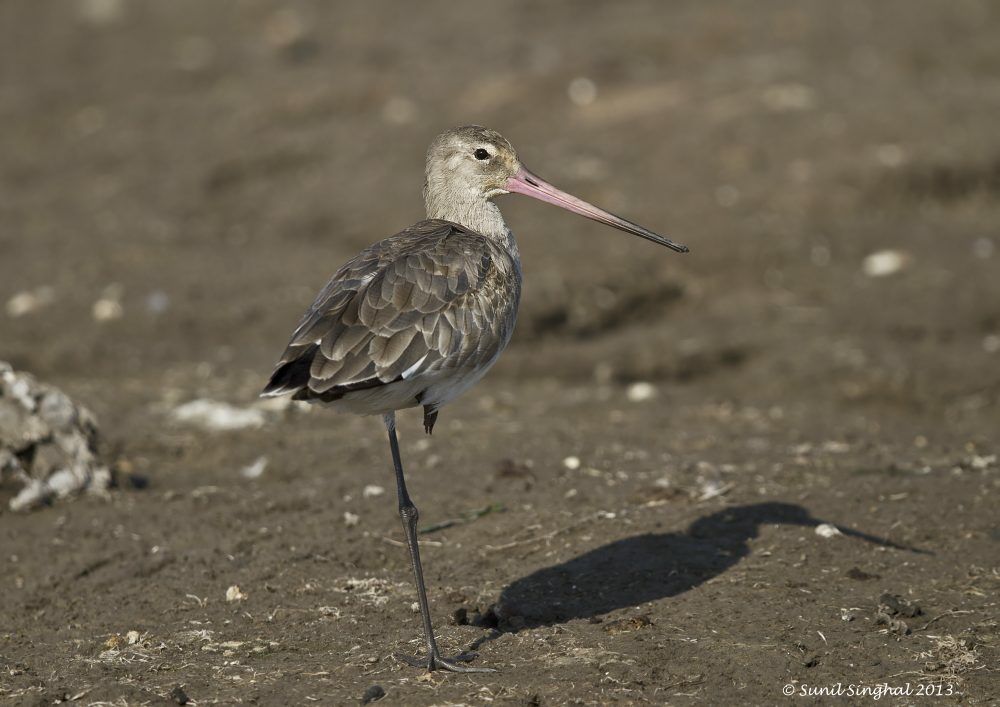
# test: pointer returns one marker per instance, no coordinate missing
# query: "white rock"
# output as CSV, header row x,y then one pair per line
x,y
885,262
827,530
640,391
582,91
106,309
571,463
372,491
213,415
29,301
234,593
254,470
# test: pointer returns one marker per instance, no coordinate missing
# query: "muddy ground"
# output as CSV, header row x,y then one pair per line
x,y
665,432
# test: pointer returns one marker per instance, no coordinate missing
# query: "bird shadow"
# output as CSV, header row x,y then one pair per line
x,y
643,568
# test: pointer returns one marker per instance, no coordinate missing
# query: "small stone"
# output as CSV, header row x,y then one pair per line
x,y
640,392
895,605
860,575
372,491
582,91
179,696
571,463
217,416
884,263
827,530
254,470
373,694
234,593
351,519
29,301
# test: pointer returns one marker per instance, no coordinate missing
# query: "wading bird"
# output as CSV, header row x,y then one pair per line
x,y
418,318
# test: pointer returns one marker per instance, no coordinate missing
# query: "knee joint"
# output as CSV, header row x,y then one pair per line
x,y
409,513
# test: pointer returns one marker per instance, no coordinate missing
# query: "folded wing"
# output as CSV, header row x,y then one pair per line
x,y
421,301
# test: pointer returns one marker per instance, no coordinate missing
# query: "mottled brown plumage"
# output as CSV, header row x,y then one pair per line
x,y
418,318
435,300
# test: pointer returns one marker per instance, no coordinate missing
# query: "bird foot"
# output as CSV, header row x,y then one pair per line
x,y
435,662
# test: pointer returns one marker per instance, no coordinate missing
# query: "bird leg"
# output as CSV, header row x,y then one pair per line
x,y
408,514
430,417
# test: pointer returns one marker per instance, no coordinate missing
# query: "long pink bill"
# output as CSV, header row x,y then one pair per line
x,y
524,182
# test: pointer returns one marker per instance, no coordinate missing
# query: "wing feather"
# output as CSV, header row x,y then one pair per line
x,y
417,302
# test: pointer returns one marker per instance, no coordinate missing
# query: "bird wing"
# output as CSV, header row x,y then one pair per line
x,y
419,301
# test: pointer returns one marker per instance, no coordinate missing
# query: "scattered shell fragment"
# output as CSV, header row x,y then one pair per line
x,y
640,391
29,301
827,530
571,463
351,519
106,309
234,593
582,91
372,491
48,443
132,637
254,470
109,306
214,415
885,262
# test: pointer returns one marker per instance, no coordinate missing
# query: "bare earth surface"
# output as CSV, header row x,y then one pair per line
x,y
201,168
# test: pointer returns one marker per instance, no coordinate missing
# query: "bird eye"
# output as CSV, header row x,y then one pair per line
x,y
481,154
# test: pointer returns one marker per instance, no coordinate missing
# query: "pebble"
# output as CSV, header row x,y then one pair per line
x,y
254,470
373,694
372,491
571,463
640,392
179,696
213,415
827,530
885,262
234,593
582,91
29,301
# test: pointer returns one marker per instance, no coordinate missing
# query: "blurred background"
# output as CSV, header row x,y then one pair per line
x,y
178,179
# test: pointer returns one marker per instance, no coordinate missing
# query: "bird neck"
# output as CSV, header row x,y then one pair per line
x,y
475,213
